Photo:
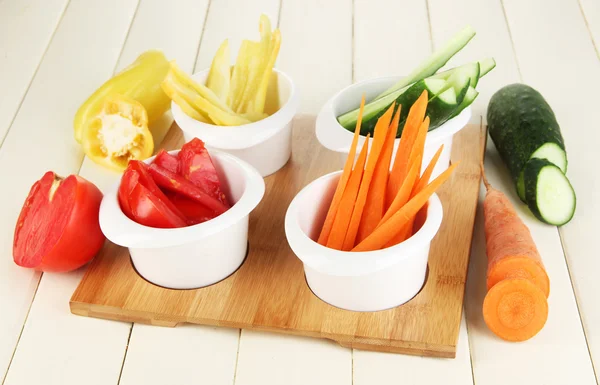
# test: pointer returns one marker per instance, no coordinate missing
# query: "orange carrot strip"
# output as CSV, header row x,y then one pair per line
x,y
409,134
515,309
375,205
344,211
418,148
384,233
511,251
403,194
428,171
379,136
339,190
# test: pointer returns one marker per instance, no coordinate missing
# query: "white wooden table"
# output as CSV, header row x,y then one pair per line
x,y
54,53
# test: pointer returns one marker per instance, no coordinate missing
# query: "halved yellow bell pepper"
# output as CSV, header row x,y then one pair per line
x,y
118,133
140,81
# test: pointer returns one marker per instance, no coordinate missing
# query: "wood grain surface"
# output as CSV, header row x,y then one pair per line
x,y
269,291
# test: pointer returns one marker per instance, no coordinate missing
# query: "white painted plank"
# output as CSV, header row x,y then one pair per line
x,y
78,58
387,369
34,22
556,56
187,354
316,48
234,20
591,12
492,40
390,37
266,358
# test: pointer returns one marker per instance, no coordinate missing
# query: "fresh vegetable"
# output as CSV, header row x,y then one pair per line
x,y
378,141
511,251
523,126
231,97
359,218
58,229
346,207
118,134
548,192
174,190
386,232
515,307
144,202
341,186
426,69
140,81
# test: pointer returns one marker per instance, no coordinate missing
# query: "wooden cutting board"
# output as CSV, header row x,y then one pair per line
x,y
269,291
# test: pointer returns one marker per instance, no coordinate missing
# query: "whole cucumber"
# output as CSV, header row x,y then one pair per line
x,y
523,126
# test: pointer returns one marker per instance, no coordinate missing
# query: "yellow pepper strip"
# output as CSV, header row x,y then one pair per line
x,y
219,76
258,104
139,81
180,77
199,103
118,133
187,108
239,75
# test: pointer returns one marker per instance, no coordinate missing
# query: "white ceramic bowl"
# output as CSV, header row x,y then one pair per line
x,y
193,256
266,144
336,138
359,281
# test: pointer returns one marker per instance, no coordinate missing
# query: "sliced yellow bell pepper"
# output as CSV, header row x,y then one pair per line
x,y
118,133
139,81
219,76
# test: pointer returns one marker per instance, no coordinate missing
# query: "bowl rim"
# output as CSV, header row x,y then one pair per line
x,y
245,135
341,139
123,231
347,263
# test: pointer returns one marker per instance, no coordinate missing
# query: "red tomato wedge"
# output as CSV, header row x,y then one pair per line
x,y
196,166
176,183
166,160
144,202
58,228
194,212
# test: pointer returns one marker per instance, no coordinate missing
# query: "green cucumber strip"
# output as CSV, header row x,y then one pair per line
x,y
435,61
349,119
448,96
549,193
470,96
471,70
435,86
486,66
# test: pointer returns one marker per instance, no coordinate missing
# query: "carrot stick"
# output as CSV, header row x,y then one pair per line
x,y
339,190
428,171
379,137
511,251
403,194
384,233
515,309
344,211
375,205
409,134
418,148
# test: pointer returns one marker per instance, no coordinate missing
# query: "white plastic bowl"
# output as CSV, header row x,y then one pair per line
x,y
193,256
359,281
336,138
266,144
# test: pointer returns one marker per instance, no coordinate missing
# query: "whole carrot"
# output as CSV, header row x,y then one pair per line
x,y
515,307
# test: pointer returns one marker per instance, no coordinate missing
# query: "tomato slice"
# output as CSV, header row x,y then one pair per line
x,y
175,182
194,212
128,182
166,160
58,228
197,167
149,210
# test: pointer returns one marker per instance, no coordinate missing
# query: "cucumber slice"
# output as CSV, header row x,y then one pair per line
x,y
549,193
378,107
470,96
470,70
549,151
486,65
435,61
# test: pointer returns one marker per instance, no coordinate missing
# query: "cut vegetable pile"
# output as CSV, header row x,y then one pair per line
x,y
524,129
450,92
373,208
173,191
231,96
